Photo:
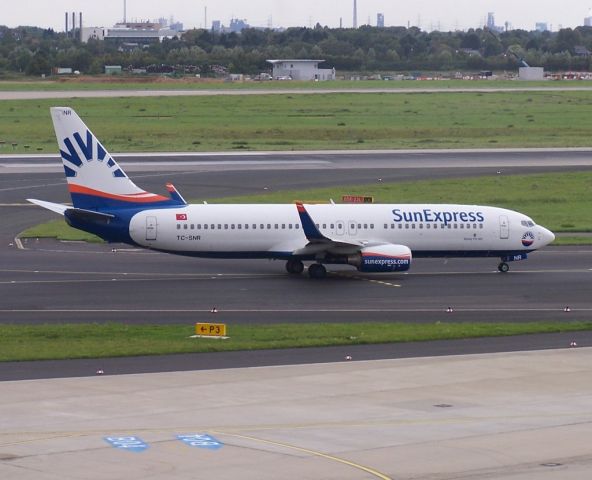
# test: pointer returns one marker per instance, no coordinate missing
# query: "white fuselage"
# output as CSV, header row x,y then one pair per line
x,y
276,230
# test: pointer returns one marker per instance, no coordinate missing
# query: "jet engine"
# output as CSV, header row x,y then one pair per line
x,y
382,258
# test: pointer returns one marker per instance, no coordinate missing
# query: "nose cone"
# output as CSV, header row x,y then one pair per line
x,y
547,236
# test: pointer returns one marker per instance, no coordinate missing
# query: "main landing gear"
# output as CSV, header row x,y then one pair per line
x,y
317,270
503,267
295,267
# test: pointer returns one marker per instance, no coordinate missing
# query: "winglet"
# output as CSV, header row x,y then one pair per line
x,y
174,193
311,231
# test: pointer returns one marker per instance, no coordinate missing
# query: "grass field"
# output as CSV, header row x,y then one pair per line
x,y
52,342
322,121
559,201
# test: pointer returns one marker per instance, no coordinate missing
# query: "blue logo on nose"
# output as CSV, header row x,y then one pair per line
x,y
528,239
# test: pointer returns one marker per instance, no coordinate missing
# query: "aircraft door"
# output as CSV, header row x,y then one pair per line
x,y
150,228
352,228
340,227
504,227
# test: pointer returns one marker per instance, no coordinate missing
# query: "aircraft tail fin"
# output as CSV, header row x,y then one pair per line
x,y
95,180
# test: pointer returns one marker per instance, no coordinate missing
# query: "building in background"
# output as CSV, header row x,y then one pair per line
x,y
588,19
95,33
541,27
135,35
380,20
299,69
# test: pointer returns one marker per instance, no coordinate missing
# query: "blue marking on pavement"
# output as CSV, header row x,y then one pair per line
x,y
131,444
201,441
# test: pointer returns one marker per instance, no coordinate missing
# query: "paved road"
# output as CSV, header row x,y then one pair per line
x,y
36,95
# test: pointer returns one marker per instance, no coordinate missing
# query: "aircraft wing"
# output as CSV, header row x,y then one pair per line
x,y
318,242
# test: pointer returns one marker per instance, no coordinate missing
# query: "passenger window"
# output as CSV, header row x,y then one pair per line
x,y
428,226
232,226
400,226
219,226
332,226
184,226
283,226
246,226
178,226
413,226
407,226
269,226
480,225
371,226
296,226
290,226
421,226
199,226
276,226
205,226
324,226
254,226
192,226
212,226
462,225
359,226
239,226
225,226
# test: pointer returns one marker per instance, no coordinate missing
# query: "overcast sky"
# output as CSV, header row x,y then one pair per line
x,y
427,14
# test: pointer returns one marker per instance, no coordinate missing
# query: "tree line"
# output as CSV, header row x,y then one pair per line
x,y
35,51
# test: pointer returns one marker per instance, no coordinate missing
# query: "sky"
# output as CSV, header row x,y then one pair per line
x,y
444,15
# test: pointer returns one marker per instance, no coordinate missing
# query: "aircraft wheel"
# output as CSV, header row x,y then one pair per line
x,y
295,267
317,270
503,267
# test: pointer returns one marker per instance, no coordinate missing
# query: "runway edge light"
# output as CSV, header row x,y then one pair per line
x,y
210,330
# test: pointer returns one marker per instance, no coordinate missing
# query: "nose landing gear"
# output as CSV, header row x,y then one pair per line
x,y
503,267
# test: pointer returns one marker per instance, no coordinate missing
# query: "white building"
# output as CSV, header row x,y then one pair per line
x,y
299,69
588,19
531,73
141,33
96,33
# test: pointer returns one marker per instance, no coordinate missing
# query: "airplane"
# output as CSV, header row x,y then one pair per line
x,y
369,237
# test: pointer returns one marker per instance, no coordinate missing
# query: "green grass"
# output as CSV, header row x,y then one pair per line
x,y
66,341
561,202
322,121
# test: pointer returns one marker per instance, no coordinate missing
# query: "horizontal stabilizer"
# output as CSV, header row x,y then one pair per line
x,y
54,207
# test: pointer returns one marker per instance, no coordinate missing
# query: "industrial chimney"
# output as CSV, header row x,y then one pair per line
x,y
67,33
355,14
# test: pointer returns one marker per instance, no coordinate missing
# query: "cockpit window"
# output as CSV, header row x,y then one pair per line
x,y
527,223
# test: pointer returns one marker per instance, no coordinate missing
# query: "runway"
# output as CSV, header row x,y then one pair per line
x,y
49,281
